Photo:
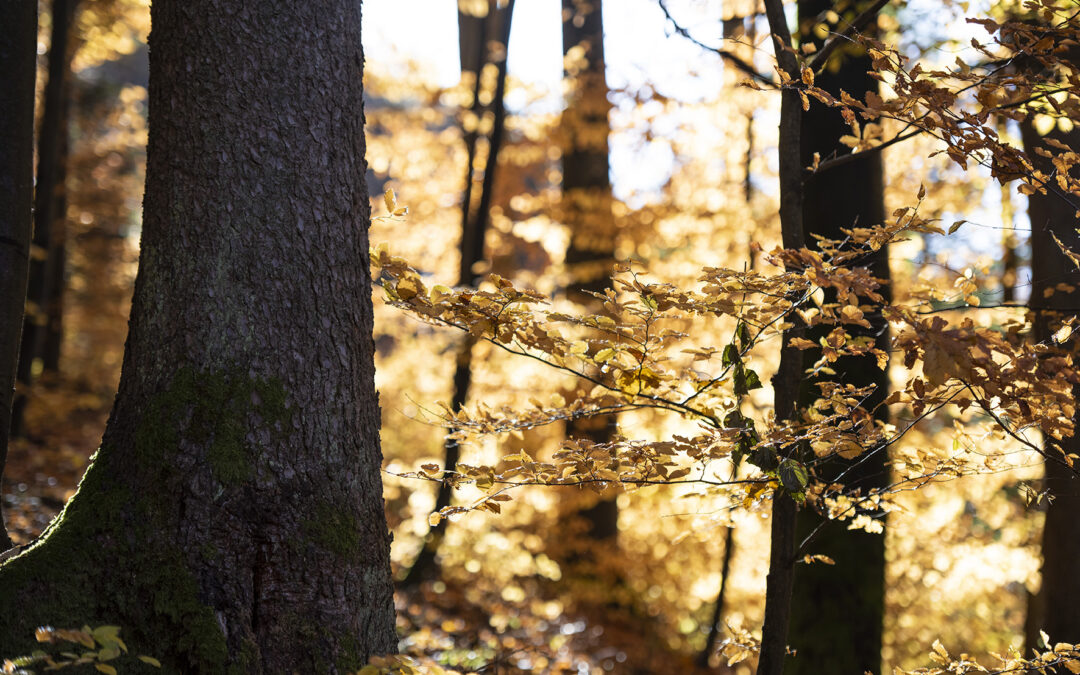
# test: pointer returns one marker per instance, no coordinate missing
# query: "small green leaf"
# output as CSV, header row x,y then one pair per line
x,y
150,660
108,653
730,355
793,475
105,668
752,380
743,333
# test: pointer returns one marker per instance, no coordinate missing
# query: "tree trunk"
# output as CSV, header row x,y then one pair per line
x,y
53,340
779,580
232,519
1058,610
473,233
18,64
44,263
837,610
587,211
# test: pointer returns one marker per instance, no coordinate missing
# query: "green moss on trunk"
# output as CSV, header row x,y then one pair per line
x,y
109,557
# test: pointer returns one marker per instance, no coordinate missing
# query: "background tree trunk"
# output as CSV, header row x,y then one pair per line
x,y
232,519
478,32
837,610
586,207
46,256
18,65
1057,610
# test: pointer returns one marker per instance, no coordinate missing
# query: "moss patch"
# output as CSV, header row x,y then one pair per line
x,y
211,410
333,529
108,558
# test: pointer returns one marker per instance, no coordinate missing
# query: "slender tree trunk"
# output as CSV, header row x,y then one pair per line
x,y
1010,258
232,520
53,340
778,582
713,638
46,256
1057,610
733,29
587,211
18,63
477,30
837,610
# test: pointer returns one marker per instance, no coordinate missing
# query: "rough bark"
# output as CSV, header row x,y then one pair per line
x,y
18,63
1057,610
837,610
495,26
232,520
778,582
587,211
43,265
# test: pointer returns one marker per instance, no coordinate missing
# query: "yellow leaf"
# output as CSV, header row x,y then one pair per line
x,y
434,519
150,660
940,649
105,668
604,355
390,199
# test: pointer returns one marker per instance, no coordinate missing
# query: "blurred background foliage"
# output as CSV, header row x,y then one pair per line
x,y
693,183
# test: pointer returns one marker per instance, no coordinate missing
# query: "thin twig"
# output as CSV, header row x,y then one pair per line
x,y
856,25
734,60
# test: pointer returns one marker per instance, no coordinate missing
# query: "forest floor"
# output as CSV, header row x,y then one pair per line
x,y
461,627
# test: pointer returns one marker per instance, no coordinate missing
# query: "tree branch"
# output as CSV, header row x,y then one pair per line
x,y
731,58
840,161
856,25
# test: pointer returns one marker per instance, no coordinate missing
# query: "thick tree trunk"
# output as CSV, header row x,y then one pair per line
x,y
1058,608
837,610
232,519
18,63
43,264
587,210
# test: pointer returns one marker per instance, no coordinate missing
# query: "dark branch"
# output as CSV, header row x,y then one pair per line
x,y
857,24
840,161
731,58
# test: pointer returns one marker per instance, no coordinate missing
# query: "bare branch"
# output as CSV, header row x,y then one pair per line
x,y
730,57
844,159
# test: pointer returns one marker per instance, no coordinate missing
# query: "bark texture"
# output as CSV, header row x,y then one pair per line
x,y
232,520
1057,610
18,64
778,582
837,610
